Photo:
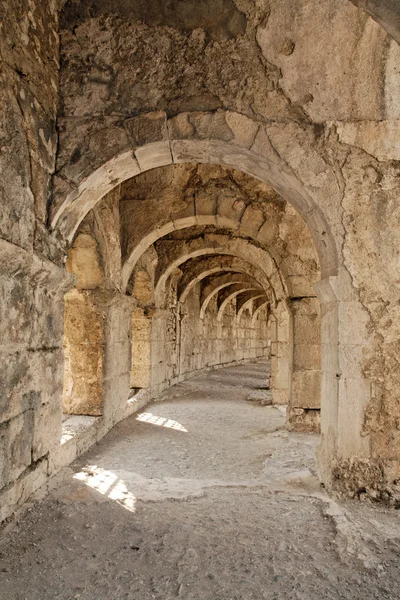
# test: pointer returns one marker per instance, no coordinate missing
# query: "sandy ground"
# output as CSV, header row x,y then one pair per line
x,y
203,496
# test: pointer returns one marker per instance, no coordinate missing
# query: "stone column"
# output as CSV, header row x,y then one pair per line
x,y
344,452
117,356
84,352
305,398
140,375
281,360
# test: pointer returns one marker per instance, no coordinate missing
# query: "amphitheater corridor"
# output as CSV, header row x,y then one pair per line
x,y
203,495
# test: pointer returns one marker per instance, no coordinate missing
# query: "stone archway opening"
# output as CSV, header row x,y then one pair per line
x,y
211,263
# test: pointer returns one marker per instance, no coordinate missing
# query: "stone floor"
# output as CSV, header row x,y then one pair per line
x,y
203,496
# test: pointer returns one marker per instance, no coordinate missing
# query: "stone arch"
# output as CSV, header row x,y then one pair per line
x,y
225,138
218,283
185,223
231,293
238,248
219,264
248,300
228,139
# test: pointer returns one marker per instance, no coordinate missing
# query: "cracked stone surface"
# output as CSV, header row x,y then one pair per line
x,y
202,495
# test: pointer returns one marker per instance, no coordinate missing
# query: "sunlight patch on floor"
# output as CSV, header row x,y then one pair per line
x,y
108,484
161,421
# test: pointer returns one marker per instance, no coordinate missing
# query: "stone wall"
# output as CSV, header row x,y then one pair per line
x,y
324,137
32,278
256,91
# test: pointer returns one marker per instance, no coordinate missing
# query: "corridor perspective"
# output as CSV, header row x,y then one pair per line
x,y
203,495
199,299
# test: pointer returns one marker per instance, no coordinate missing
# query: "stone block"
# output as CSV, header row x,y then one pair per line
x,y
306,329
306,389
19,432
354,396
280,396
353,319
154,155
244,129
251,221
47,428
84,344
351,357
306,357
378,138
304,420
14,496
88,144
146,129
329,358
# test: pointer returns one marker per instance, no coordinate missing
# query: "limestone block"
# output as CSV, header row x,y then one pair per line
x,y
267,232
17,310
262,146
47,428
14,496
4,456
206,220
306,389
329,358
306,357
205,204
142,289
231,207
282,350
29,378
244,129
281,374
304,420
193,150
351,360
16,198
205,125
84,344
116,359
378,138
353,319
251,220
19,432
117,326
280,396
141,350
84,262
305,306
154,155
149,128
306,329
357,393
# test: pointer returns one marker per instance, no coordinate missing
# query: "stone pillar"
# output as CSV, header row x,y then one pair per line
x,y
84,352
31,371
117,358
344,451
305,398
140,375
281,360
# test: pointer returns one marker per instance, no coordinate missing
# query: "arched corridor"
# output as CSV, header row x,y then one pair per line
x,y
202,495
193,193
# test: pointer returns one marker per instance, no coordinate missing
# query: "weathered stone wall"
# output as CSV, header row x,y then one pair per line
x,y
256,89
32,279
333,132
